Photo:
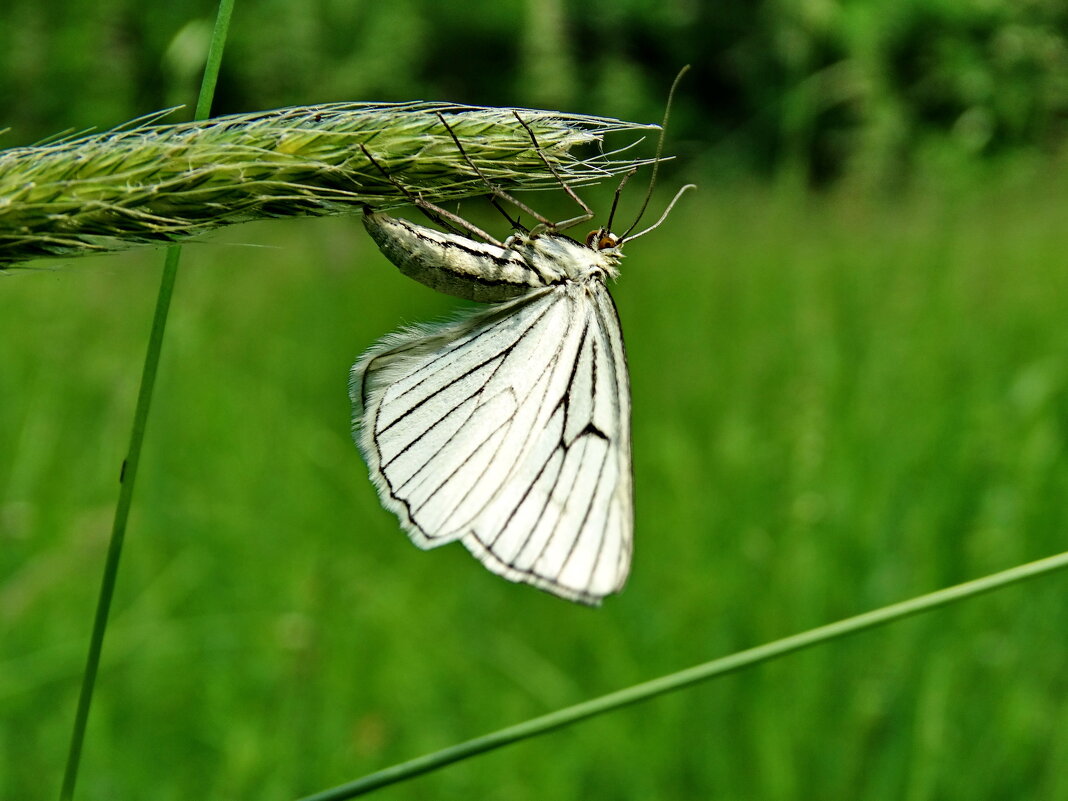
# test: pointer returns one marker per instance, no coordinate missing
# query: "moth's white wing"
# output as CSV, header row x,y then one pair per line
x,y
509,430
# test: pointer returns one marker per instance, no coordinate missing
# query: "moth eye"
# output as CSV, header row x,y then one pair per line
x,y
592,238
607,241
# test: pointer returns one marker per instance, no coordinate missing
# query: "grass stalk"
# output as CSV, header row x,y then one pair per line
x,y
686,678
128,474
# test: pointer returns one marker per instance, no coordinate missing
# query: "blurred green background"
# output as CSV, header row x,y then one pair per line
x,y
849,362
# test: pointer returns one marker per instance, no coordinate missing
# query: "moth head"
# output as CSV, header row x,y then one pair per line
x,y
602,239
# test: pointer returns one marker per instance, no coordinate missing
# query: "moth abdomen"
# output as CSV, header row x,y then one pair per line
x,y
452,264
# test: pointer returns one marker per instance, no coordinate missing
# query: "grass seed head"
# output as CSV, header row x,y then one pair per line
x,y
149,183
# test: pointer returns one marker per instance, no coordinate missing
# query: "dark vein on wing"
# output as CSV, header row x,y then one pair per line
x,y
561,405
485,325
586,514
564,401
608,315
522,500
521,450
439,421
434,365
581,456
466,460
592,429
502,355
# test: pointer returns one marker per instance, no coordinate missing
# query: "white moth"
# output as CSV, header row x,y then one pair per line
x,y
507,429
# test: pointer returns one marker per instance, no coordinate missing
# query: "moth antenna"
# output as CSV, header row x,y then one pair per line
x,y
659,151
663,216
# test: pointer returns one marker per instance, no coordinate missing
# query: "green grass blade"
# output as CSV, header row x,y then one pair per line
x,y
214,60
128,475
686,678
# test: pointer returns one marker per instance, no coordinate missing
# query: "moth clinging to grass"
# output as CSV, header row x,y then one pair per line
x,y
508,428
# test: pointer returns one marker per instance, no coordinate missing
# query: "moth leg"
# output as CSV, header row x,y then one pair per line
x,y
496,193
615,199
413,199
587,212
436,214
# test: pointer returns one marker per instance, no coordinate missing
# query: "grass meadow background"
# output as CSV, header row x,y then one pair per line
x,y
839,402
843,398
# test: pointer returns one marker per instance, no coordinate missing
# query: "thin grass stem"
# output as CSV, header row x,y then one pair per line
x,y
128,473
686,678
